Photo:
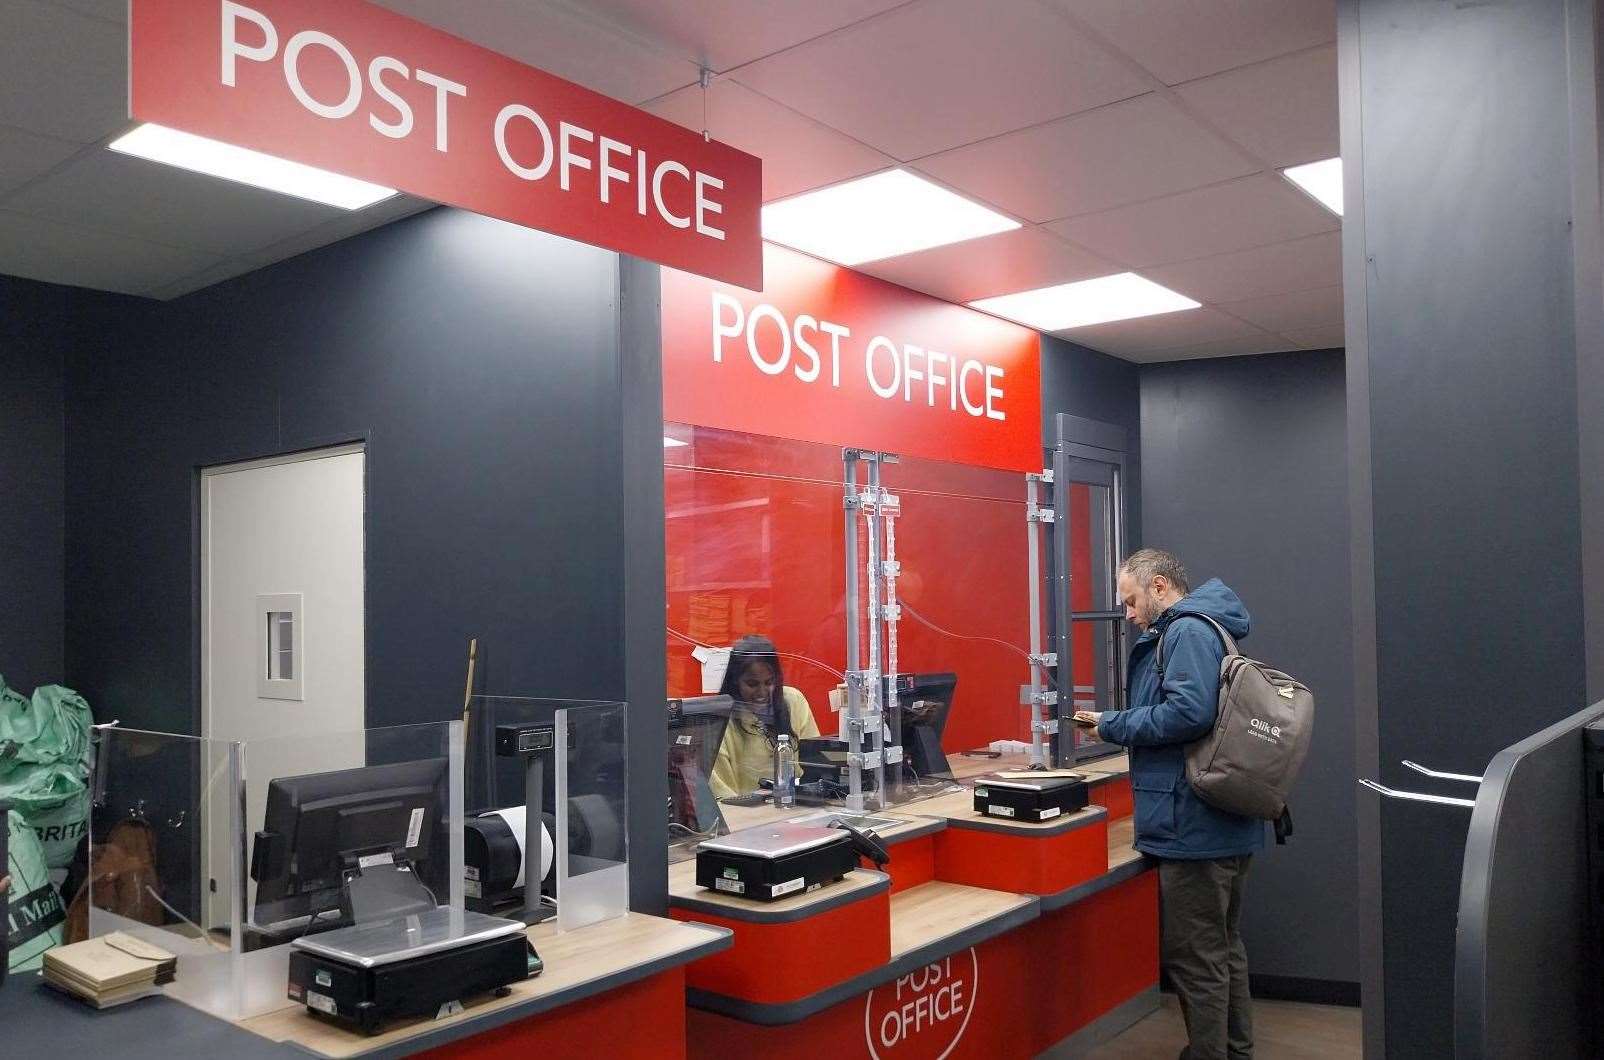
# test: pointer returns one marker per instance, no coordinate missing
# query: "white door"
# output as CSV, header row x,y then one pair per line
x,y
281,625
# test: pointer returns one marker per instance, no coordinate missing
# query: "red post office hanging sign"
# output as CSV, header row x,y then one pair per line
x,y
826,354
351,87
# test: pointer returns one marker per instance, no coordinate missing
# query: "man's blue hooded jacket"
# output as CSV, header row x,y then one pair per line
x,y
1171,821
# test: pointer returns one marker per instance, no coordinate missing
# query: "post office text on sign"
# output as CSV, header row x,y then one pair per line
x,y
525,142
892,370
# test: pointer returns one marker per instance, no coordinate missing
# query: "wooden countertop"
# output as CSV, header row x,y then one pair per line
x,y
924,915
1121,834
1113,766
964,768
910,817
579,964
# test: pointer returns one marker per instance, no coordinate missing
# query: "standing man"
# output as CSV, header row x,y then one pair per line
x,y
1203,853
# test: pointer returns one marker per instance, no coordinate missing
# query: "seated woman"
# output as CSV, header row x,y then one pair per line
x,y
764,710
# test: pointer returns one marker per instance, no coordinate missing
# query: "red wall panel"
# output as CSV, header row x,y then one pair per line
x,y
755,545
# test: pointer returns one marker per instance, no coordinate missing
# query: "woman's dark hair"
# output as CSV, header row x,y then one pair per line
x,y
746,653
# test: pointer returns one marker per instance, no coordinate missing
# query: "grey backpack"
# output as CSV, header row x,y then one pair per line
x,y
1261,734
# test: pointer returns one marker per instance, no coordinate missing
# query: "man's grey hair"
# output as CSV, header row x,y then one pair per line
x,y
1144,565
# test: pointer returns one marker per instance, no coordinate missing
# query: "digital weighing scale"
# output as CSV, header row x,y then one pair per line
x,y
1033,800
419,965
775,860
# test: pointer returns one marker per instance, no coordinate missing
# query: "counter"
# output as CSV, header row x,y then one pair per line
x,y
602,984
1014,937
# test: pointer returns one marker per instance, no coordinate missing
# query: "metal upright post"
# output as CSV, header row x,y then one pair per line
x,y
534,828
1062,613
887,510
852,718
874,509
1040,521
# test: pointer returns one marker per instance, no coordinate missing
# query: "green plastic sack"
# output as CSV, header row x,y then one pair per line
x,y
46,756
35,917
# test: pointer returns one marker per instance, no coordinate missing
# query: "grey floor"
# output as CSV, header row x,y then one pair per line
x,y
1282,1030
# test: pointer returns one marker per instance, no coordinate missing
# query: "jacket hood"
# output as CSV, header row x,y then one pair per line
x,y
1215,600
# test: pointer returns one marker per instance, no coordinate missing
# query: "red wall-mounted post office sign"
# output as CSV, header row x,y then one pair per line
x,y
351,87
826,354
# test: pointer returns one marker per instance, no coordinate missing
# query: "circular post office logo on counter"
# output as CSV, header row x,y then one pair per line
x,y
922,1015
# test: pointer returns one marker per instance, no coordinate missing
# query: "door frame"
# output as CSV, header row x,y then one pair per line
x,y
1086,441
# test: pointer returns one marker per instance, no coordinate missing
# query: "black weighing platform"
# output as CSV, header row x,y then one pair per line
x,y
409,966
775,860
1031,799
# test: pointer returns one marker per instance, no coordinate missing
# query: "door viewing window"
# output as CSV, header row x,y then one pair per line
x,y
280,623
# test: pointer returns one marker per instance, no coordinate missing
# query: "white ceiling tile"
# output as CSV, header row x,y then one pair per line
x,y
1329,337
728,33
175,206
1137,149
1284,110
1163,331
65,75
1296,265
39,249
25,156
560,41
798,153
1181,41
1021,260
937,74
1237,347
1295,310
1254,211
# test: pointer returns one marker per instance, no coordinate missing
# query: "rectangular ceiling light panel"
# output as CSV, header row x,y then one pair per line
x,y
214,158
879,216
1321,181
1123,296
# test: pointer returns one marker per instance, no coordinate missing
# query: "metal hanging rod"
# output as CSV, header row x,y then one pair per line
x,y
1415,796
1436,775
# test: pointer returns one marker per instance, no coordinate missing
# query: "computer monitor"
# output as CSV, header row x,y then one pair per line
x,y
319,827
923,705
695,733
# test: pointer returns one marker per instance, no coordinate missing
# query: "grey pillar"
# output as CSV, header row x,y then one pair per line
x,y
643,589
1470,254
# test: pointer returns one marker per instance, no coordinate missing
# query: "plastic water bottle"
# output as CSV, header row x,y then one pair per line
x,y
784,773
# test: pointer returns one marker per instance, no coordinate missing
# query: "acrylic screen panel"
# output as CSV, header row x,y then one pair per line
x,y
755,545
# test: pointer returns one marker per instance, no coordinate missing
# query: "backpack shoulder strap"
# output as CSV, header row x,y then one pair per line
x,y
1229,641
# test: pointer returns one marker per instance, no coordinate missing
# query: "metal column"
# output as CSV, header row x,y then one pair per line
x,y
870,688
1042,692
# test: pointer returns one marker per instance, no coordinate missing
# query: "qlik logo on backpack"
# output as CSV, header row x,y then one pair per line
x,y
1265,731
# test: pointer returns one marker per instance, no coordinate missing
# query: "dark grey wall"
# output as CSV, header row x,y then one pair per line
x,y
34,335
1245,479
1095,386
1587,227
481,363
1459,276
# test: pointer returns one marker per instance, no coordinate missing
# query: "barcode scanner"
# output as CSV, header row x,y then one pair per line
x,y
866,843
